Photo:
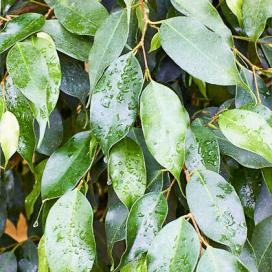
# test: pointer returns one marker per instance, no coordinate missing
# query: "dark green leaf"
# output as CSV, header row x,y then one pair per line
x,y
267,175
8,262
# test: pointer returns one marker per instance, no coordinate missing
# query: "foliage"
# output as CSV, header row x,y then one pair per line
x,y
136,135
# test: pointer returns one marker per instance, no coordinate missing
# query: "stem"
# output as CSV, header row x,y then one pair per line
x,y
256,85
4,19
168,190
38,3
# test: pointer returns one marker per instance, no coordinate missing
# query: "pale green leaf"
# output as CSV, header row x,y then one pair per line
x,y
69,239
175,248
224,219
42,259
164,124
155,42
236,7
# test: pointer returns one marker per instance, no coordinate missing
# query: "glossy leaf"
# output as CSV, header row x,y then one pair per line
x,y
155,42
102,56
9,135
75,46
115,101
202,150
69,238
162,114
80,17
255,16
20,107
144,222
127,171
67,165
8,262
20,28
194,48
236,7
224,219
262,244
205,13
175,248
42,263
241,126
218,260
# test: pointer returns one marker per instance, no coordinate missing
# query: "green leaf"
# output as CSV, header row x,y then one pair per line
x,y
267,175
242,126
244,157
218,260
262,244
67,165
19,106
75,46
115,101
69,238
255,15
136,266
8,262
2,107
202,149
175,248
224,219
32,197
20,28
144,221
127,171
43,264
194,48
164,123
206,14
9,135
267,49
113,43
155,42
80,17
248,257
236,7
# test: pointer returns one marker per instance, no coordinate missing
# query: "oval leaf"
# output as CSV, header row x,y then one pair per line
x,y
69,238
164,122
247,130
194,48
67,165
127,171
224,219
115,101
175,248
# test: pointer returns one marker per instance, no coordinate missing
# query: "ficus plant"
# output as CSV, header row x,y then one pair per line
x,y
136,135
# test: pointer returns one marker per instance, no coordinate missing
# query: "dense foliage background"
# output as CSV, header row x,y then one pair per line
x,y
136,135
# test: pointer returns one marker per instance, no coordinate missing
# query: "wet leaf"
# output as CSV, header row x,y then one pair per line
x,y
175,248
67,165
163,115
242,126
224,219
115,101
127,171
218,260
80,17
75,46
102,56
9,135
194,48
20,28
69,238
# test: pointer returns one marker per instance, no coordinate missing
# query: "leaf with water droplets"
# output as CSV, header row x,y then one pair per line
x,y
69,238
164,123
202,149
194,48
115,101
262,244
79,16
102,56
247,130
175,248
144,221
77,47
218,260
20,28
9,134
19,106
8,262
205,13
224,220
127,171
68,164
